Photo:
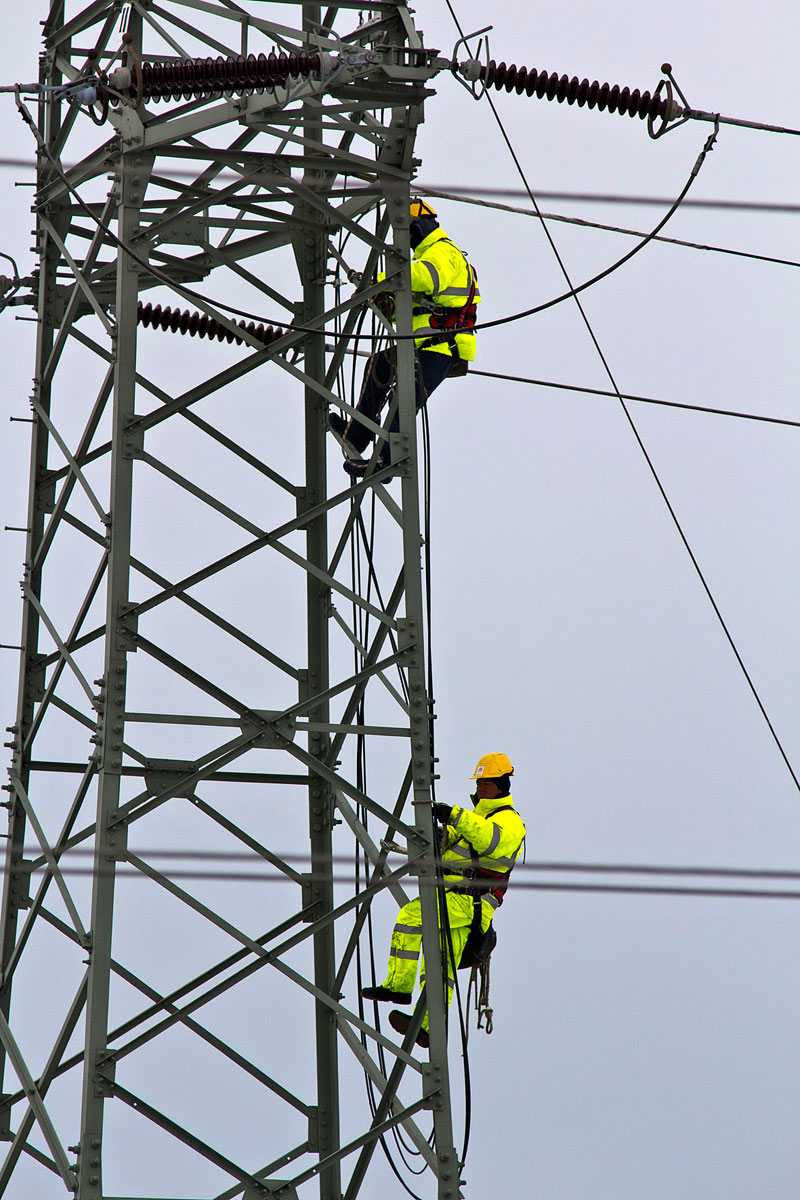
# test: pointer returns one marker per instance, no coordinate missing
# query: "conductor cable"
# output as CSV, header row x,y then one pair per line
x,y
182,290
651,466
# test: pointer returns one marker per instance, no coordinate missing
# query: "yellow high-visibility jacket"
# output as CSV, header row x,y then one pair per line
x,y
496,837
442,275
441,281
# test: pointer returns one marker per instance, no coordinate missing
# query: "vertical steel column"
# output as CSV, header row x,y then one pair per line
x,y
16,881
412,632
109,838
312,263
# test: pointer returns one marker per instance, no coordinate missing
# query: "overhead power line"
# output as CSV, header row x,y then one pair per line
x,y
454,190
346,860
319,863
182,290
434,189
700,408
269,875
574,291
659,237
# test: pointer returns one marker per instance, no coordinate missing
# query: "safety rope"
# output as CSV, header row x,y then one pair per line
x,y
479,980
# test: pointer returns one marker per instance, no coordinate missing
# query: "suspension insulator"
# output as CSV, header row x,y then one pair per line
x,y
575,91
204,78
198,324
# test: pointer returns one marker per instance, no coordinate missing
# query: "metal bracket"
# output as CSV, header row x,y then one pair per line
x,y
20,885
277,733
313,1129
160,774
184,230
309,900
127,630
104,1083
471,68
675,115
35,674
46,492
133,442
432,1085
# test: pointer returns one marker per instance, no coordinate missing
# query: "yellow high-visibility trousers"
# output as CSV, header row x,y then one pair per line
x,y
405,955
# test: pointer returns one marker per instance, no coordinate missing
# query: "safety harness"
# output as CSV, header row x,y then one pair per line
x,y
477,954
482,882
451,320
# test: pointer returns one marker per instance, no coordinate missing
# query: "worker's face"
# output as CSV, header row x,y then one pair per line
x,y
486,789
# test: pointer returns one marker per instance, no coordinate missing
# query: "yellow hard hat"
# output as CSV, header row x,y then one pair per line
x,y
492,766
420,209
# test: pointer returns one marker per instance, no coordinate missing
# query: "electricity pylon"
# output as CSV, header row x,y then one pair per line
x,y
203,667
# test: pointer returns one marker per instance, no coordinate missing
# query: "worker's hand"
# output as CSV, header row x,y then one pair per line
x,y
384,302
442,813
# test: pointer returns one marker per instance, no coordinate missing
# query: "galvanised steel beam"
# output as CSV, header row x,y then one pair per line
x,y
198,647
16,881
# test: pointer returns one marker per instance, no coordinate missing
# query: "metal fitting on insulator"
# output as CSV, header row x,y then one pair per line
x,y
121,79
329,64
471,69
85,94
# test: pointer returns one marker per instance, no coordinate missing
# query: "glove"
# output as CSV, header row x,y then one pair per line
x,y
442,813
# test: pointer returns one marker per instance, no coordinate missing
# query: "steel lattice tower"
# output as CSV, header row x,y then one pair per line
x,y
177,542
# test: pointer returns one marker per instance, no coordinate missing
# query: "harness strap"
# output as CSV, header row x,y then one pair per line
x,y
462,318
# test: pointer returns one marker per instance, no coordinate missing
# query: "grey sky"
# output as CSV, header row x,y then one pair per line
x,y
645,1048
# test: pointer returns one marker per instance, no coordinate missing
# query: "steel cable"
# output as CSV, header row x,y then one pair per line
x,y
287,328
628,415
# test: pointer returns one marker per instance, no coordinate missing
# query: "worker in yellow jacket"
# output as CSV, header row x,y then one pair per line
x,y
481,845
445,296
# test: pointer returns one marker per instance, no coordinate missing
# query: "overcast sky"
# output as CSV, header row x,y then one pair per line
x,y
645,1047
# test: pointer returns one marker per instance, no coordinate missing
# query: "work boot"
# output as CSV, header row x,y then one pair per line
x,y
357,468
384,993
401,1021
354,436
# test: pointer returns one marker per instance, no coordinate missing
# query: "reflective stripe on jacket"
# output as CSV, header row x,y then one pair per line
x,y
495,836
442,275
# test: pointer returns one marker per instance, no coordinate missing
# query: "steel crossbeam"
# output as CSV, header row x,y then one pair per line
x,y
198,647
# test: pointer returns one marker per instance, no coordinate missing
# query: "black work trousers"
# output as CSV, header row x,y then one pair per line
x,y
380,375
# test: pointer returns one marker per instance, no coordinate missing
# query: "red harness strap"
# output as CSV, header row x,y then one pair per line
x,y
459,318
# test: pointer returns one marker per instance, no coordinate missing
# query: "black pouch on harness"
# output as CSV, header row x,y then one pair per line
x,y
479,945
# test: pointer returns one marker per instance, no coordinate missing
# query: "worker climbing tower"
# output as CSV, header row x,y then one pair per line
x,y
223,641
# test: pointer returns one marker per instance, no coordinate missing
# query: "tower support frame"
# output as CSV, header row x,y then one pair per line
x,y
158,691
